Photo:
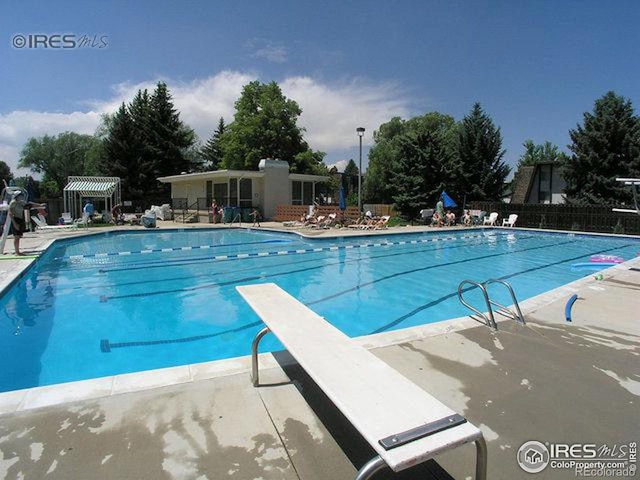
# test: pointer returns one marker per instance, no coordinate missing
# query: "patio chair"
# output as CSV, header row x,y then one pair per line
x,y
42,226
66,218
491,219
511,221
380,224
358,224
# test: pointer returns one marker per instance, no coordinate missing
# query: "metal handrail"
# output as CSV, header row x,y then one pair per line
x,y
489,320
503,310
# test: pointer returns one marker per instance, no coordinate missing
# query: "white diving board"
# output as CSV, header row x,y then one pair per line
x,y
404,424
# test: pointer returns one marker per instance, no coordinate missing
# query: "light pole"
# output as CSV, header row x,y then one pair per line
x,y
360,132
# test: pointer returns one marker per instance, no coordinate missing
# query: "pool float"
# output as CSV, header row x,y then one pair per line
x,y
567,308
592,265
606,259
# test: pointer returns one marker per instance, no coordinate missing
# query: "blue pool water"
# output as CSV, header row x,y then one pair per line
x,y
124,302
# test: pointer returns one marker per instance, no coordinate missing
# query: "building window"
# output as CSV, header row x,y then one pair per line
x,y
296,193
233,192
220,193
301,193
209,192
246,200
307,193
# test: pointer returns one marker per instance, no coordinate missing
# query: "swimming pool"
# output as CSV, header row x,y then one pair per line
x,y
131,301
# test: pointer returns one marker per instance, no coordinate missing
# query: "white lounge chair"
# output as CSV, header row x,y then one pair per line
x,y
379,224
403,423
491,219
511,221
66,217
42,226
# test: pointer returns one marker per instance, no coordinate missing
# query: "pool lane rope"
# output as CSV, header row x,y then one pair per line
x,y
272,252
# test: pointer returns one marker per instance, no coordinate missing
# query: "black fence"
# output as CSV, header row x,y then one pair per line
x,y
564,217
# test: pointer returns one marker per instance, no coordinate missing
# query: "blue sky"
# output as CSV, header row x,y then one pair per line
x,y
535,66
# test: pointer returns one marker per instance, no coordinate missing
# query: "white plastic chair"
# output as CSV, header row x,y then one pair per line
x,y
511,221
491,219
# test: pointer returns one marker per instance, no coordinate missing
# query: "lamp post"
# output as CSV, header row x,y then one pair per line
x,y
360,132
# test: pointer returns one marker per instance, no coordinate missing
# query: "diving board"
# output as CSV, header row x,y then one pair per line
x,y
404,424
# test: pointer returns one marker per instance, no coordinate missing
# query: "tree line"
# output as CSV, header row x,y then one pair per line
x,y
411,162
146,139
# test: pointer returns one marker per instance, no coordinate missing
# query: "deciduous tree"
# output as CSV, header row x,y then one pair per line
x,y
264,126
58,157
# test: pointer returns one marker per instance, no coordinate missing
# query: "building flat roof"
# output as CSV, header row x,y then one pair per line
x,y
185,177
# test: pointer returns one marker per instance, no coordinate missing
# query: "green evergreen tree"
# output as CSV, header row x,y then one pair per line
x,y
211,152
169,137
146,140
378,184
123,150
482,171
350,178
264,126
606,146
419,173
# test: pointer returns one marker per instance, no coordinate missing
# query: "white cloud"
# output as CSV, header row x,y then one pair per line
x,y
16,128
330,114
272,53
340,165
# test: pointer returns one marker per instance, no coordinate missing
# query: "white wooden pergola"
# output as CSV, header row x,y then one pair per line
x,y
80,188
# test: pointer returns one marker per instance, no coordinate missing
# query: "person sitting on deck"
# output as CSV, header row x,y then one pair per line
x,y
437,220
450,218
117,217
467,218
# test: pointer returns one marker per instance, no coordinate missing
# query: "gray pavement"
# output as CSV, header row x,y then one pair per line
x,y
549,381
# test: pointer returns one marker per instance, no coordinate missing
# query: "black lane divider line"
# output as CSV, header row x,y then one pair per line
x,y
433,303
105,298
468,243
429,267
106,346
105,343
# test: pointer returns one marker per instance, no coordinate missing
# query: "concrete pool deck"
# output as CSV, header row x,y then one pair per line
x,y
549,381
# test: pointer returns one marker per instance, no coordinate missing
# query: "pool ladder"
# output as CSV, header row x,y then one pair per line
x,y
489,318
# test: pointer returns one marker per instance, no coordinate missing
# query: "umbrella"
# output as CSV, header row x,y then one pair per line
x,y
342,202
448,201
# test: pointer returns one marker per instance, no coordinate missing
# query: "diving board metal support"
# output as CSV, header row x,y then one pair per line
x,y
634,183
